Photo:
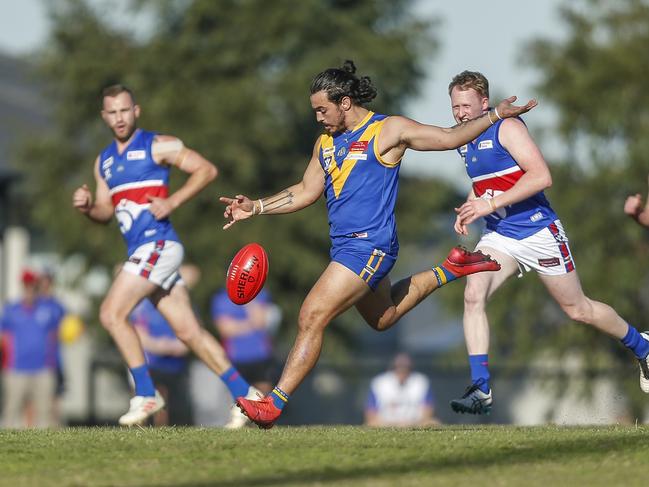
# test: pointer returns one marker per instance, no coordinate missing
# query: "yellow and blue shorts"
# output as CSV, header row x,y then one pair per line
x,y
371,265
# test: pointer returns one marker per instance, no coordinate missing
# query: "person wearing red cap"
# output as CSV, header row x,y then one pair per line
x,y
30,351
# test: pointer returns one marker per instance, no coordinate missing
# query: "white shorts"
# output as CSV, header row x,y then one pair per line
x,y
158,262
547,251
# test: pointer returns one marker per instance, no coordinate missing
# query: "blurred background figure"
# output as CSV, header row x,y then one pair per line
x,y
167,357
29,330
246,333
47,298
636,209
400,397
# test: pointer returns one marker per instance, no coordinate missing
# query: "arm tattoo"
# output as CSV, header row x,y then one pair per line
x,y
278,201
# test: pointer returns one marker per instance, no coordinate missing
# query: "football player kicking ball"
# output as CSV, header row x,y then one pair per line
x,y
356,164
509,175
132,178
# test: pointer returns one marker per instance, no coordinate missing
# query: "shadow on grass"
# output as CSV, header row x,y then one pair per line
x,y
540,451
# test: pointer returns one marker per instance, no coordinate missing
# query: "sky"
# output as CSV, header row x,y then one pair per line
x,y
477,37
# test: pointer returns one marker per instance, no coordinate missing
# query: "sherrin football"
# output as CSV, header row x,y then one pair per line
x,y
247,273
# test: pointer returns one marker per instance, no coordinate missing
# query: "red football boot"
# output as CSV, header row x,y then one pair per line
x,y
462,262
262,412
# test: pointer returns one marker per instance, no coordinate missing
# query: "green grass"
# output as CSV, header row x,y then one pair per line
x,y
342,455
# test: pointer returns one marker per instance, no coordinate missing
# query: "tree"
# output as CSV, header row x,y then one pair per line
x,y
231,79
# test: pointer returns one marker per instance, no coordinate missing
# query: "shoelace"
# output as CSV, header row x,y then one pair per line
x,y
474,387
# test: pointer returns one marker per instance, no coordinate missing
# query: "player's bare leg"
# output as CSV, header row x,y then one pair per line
x,y
567,292
479,288
477,398
124,294
127,290
175,306
384,307
337,289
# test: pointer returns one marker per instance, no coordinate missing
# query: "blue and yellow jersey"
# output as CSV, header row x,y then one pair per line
x,y
360,187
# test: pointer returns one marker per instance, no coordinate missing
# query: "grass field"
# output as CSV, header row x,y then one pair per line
x,y
344,455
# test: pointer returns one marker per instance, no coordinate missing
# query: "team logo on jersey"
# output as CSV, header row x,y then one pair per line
x,y
341,152
474,159
360,146
536,216
486,144
135,155
357,156
327,163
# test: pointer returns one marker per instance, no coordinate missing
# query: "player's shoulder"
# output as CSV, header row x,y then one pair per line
x,y
164,138
395,120
513,123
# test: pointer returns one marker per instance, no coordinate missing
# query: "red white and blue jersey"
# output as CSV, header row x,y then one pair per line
x,y
493,171
360,187
132,177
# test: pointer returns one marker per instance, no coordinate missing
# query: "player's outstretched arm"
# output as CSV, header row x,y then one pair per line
x,y
292,199
101,209
414,135
170,150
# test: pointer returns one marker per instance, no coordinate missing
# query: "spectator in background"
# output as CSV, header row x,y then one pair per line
x,y
47,298
400,397
166,357
29,330
246,335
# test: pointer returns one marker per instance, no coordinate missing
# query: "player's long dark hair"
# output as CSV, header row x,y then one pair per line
x,y
341,82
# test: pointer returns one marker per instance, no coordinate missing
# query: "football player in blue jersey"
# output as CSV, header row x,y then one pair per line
x,y
132,183
522,232
355,163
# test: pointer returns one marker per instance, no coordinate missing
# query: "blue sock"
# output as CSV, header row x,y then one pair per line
x,y
143,382
636,343
280,398
235,383
443,275
480,371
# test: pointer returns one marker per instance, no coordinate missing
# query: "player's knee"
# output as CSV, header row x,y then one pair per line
x,y
188,334
109,316
474,297
311,319
580,312
385,321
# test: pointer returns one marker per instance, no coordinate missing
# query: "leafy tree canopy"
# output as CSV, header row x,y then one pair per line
x,y
231,79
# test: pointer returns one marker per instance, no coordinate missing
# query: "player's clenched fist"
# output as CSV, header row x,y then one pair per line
x,y
82,199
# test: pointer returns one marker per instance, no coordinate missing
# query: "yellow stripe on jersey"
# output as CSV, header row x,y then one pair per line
x,y
339,176
364,121
383,162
